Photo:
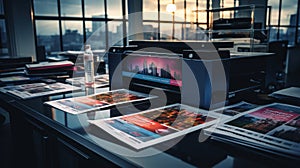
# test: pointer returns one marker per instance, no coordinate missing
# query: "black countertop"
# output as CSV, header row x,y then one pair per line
x,y
187,151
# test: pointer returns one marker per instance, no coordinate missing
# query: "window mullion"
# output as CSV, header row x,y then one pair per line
x,y
60,25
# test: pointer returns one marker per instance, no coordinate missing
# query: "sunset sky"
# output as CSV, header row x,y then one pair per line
x,y
94,8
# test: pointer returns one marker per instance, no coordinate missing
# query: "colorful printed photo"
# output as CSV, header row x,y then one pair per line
x,y
177,117
264,119
133,130
148,124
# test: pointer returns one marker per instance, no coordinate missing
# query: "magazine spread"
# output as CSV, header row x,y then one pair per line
x,y
146,128
275,127
97,101
100,80
27,91
5,89
235,109
14,79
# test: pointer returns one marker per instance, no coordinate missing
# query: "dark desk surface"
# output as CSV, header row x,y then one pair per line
x,y
186,151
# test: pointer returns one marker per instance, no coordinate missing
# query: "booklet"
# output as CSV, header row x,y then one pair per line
x,y
17,78
273,127
100,80
150,127
27,91
14,79
5,89
98,101
48,65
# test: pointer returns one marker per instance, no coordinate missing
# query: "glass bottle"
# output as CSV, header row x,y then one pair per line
x,y
88,61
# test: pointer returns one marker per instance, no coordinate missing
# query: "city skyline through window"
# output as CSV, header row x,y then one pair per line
x,y
283,20
74,21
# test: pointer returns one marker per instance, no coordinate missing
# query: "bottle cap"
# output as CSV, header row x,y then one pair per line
x,y
87,46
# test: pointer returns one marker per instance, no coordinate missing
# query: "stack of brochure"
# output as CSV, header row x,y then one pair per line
x,y
273,128
49,68
26,91
14,79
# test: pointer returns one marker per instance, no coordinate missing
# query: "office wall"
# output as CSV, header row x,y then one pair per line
x,y
20,28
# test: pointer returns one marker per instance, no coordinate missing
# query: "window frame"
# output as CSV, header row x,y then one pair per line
x,y
4,18
159,20
279,25
82,19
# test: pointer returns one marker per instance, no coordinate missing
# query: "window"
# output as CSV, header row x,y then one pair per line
x,y
94,9
115,29
150,10
287,10
165,31
186,22
150,30
3,39
190,7
1,7
96,34
283,20
164,14
114,9
3,33
202,18
72,35
40,10
47,32
274,11
228,3
62,25
71,8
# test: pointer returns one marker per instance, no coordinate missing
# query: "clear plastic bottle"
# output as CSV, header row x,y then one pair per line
x,y
88,61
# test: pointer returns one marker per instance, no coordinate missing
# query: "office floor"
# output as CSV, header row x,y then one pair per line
x,y
5,142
